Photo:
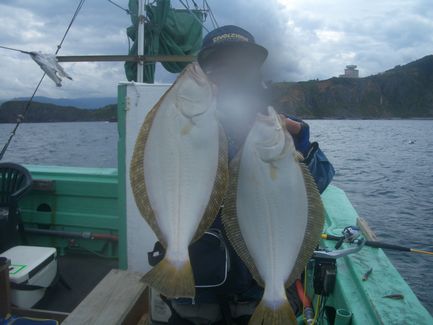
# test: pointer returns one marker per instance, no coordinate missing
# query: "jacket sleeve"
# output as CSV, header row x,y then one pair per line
x,y
318,164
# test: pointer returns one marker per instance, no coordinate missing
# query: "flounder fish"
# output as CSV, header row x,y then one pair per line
x,y
273,214
179,175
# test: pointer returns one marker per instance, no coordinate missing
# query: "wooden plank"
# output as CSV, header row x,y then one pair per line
x,y
120,298
366,230
144,320
39,313
139,310
125,58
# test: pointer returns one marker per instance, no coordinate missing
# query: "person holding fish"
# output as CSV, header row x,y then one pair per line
x,y
233,264
232,61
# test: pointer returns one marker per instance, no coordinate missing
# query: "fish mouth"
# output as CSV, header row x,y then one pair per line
x,y
198,74
190,108
272,148
189,100
276,138
194,97
271,118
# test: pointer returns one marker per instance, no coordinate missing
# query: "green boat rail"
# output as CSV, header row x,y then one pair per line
x,y
354,300
77,203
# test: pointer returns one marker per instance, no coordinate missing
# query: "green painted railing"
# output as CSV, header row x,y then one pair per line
x,y
365,299
73,199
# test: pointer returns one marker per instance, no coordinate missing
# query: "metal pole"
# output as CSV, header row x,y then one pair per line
x,y
5,294
140,49
125,58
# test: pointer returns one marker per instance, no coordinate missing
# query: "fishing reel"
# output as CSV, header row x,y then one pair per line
x,y
350,234
325,262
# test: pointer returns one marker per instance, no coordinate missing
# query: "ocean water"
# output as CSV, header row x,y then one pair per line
x,y
85,144
385,167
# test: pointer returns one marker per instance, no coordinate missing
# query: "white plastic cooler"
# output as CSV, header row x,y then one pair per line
x,y
30,266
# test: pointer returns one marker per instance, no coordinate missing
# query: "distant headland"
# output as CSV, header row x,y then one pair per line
x,y
402,92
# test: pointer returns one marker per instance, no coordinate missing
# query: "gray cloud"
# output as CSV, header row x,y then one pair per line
x,y
306,39
375,35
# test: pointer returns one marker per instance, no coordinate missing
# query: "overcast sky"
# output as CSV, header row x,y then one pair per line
x,y
306,39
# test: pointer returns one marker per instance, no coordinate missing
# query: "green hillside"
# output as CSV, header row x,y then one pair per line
x,y
402,92
42,112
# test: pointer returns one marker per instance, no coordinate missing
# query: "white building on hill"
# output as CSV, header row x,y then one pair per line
x,y
350,72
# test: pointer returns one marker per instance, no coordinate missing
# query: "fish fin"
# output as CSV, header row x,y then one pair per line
x,y
298,156
230,221
171,281
267,315
316,219
136,175
136,172
219,189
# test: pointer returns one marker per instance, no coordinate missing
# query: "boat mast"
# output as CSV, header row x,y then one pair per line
x,y
140,49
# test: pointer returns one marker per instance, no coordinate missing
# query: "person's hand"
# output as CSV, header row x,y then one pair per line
x,y
292,126
300,132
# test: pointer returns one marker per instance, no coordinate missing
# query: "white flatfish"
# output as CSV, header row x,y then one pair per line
x,y
273,214
179,175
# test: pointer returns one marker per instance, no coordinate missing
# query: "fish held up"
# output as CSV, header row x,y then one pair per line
x,y
179,176
273,214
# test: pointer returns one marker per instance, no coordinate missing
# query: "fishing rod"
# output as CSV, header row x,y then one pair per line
x,y
14,49
378,244
21,117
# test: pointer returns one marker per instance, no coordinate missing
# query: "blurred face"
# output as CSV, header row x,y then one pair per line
x,y
236,74
233,67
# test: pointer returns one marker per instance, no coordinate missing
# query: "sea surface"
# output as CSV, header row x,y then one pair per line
x,y
385,167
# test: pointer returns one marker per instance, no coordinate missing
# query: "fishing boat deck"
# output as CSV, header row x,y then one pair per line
x,y
82,273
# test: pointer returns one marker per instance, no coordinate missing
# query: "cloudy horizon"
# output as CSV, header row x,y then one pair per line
x,y
306,39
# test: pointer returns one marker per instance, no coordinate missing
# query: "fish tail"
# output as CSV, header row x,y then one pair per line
x,y
171,280
265,314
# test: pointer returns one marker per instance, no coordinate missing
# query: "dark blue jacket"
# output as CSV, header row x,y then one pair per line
x,y
320,167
